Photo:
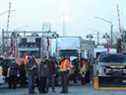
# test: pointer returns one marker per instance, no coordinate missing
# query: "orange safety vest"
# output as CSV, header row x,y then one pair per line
x,y
65,65
26,60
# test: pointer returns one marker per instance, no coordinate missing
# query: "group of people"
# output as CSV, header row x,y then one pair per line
x,y
43,75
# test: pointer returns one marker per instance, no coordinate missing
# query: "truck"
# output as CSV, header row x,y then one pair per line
x,y
110,72
68,46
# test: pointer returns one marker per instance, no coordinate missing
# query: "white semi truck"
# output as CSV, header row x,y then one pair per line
x,y
68,46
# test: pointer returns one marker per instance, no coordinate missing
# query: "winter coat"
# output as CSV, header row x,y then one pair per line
x,y
43,69
31,68
52,66
13,70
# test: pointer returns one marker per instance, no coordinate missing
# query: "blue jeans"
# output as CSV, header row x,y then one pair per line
x,y
52,82
65,81
30,84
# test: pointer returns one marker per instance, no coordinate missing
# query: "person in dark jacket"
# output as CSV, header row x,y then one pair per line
x,y
32,68
22,78
43,72
84,71
13,74
52,70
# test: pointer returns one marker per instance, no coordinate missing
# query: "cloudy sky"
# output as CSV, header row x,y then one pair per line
x,y
77,16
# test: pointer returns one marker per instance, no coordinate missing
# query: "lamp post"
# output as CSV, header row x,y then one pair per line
x,y
111,27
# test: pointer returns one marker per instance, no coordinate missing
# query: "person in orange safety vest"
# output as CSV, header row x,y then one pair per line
x,y
65,67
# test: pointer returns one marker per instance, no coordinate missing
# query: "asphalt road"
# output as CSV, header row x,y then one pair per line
x,y
73,90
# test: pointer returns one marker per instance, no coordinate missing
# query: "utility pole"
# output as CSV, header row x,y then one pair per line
x,y
119,21
3,45
98,38
120,39
5,33
63,22
8,17
111,35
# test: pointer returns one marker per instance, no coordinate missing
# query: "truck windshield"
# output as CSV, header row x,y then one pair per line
x,y
113,59
68,53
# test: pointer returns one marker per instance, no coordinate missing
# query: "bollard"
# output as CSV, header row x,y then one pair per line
x,y
96,82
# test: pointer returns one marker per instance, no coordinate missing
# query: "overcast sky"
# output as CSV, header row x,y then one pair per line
x,y
78,15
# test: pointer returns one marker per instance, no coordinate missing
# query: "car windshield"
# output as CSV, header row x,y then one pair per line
x,y
113,59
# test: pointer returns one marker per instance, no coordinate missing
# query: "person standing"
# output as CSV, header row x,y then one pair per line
x,y
31,67
13,74
84,71
22,78
43,72
65,67
52,70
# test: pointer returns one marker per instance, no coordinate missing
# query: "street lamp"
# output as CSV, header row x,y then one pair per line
x,y
4,12
111,27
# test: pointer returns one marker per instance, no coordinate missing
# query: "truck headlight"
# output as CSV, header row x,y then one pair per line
x,y
101,70
108,70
